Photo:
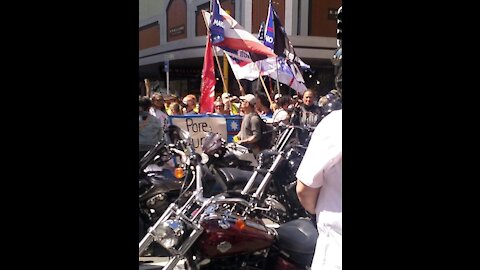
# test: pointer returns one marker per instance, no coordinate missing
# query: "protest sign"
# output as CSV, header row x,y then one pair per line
x,y
198,125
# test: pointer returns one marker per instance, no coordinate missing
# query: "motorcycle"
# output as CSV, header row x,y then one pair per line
x,y
229,162
163,173
218,153
278,167
227,231
334,101
161,176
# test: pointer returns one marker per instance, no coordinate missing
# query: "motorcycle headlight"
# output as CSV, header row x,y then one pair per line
x,y
169,232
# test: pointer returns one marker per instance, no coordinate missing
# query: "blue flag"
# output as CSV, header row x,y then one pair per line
x,y
216,24
269,35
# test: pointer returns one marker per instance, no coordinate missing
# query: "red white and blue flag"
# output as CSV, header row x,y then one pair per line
x,y
269,31
285,68
227,33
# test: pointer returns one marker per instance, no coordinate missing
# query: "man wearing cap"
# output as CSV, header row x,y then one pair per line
x,y
251,129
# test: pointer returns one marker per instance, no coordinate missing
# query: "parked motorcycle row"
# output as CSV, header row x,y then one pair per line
x,y
208,210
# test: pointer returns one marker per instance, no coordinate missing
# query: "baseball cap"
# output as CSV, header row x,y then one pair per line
x,y
250,98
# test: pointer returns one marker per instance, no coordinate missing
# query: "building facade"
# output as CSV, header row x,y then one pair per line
x,y
172,35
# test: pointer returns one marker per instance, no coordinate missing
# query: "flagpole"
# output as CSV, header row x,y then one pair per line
x,y
225,89
229,59
270,85
242,91
266,91
278,76
263,83
261,79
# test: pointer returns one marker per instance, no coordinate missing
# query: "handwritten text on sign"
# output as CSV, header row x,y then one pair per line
x,y
199,125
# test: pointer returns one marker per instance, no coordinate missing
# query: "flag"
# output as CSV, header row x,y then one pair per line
x,y
227,33
284,74
207,89
267,67
282,69
268,33
282,45
241,68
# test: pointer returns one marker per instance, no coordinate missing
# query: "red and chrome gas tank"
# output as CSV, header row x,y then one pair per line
x,y
233,236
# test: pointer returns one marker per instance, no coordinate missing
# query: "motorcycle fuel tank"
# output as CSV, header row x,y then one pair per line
x,y
233,236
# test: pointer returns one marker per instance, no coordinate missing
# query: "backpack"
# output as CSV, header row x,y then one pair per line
x,y
265,141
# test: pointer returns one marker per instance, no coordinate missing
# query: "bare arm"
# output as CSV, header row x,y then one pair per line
x,y
256,129
307,196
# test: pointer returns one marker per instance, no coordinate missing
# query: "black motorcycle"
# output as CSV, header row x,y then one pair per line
x,y
161,177
164,174
278,167
228,162
218,153
227,231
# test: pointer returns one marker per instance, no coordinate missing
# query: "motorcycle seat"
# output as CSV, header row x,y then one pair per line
x,y
298,238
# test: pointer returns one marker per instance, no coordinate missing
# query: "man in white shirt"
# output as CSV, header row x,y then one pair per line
x,y
319,189
319,180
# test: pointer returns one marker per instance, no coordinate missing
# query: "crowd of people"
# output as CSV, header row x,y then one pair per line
x,y
154,112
